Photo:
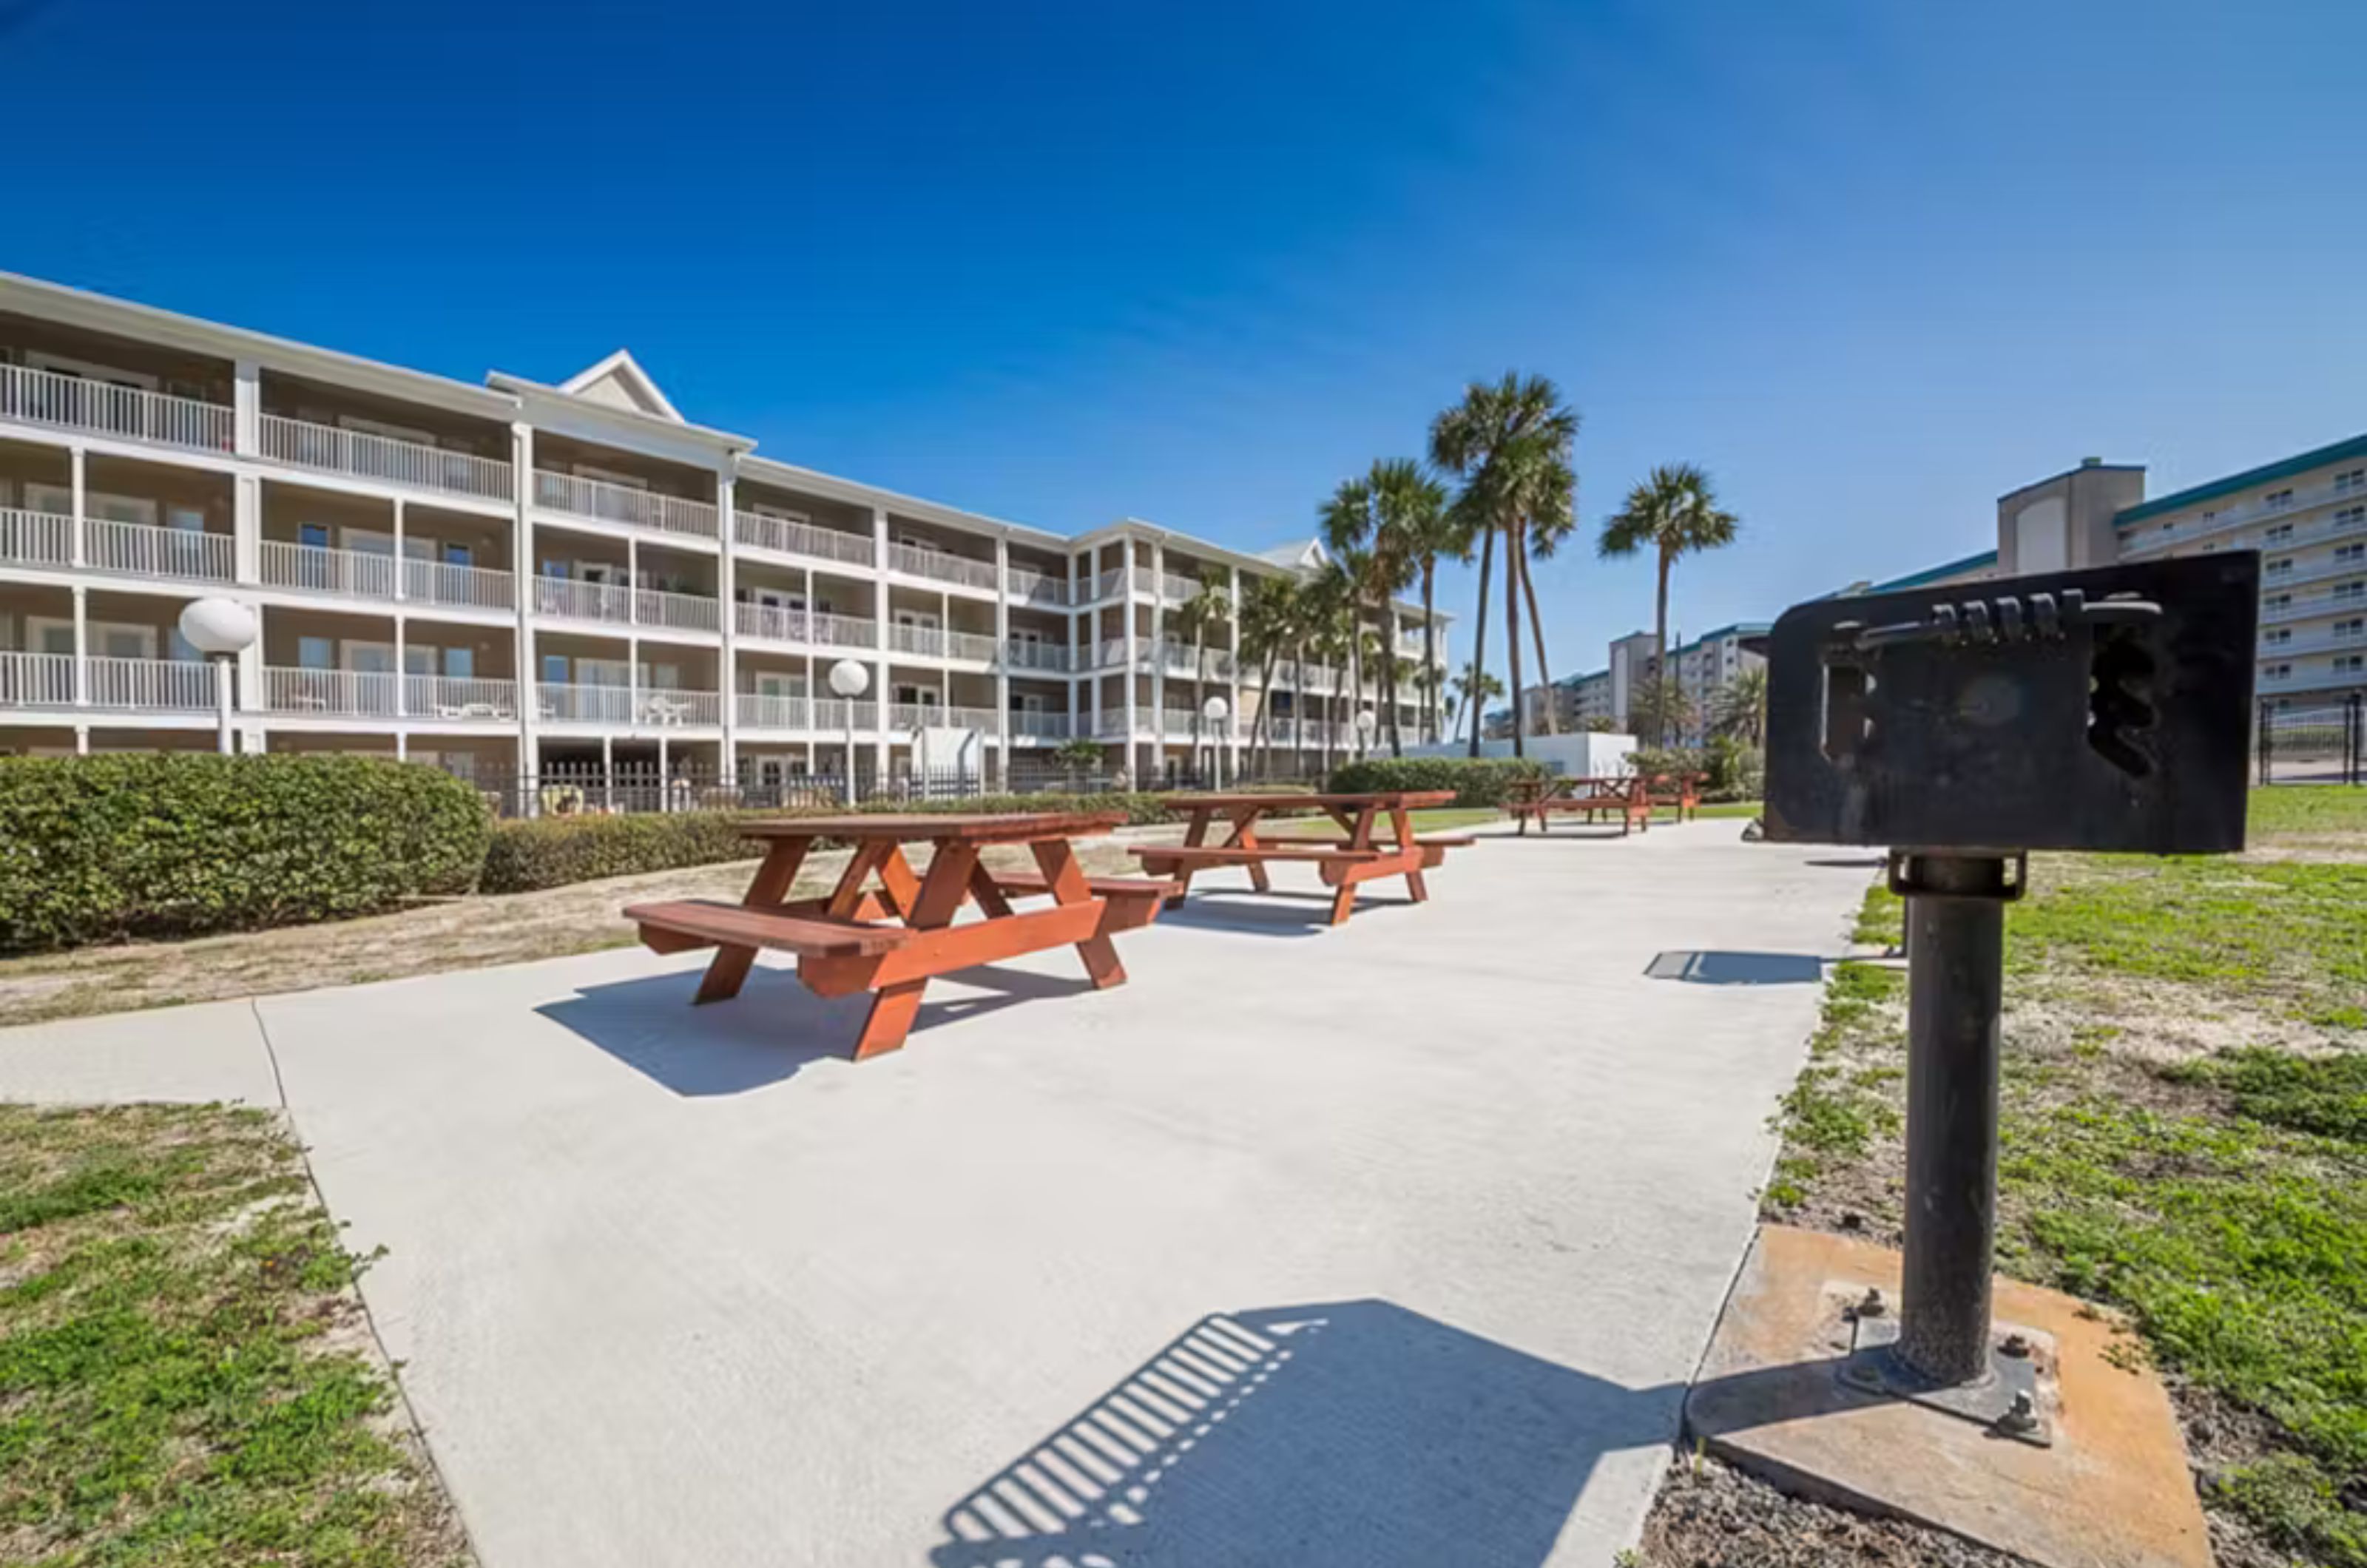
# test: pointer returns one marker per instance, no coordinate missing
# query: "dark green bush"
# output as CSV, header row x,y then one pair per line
x,y
1729,768
100,848
553,851
1474,781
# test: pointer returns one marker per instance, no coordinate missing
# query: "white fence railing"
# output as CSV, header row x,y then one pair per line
x,y
75,402
838,712
929,641
915,716
1109,584
458,697
970,645
363,693
1020,653
143,549
319,570
35,679
1035,587
305,446
1039,726
36,538
666,707
608,503
172,684
691,612
583,601
465,587
984,720
842,631
775,621
565,702
939,566
793,537
762,710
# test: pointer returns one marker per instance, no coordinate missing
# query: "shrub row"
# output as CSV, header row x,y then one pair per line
x,y
1475,781
97,848
553,851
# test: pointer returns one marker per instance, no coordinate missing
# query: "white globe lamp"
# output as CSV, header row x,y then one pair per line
x,y
221,629
849,679
1215,710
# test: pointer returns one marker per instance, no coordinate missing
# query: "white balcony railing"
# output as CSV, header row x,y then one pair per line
x,y
142,549
1175,589
464,587
970,645
915,716
774,621
456,697
1109,584
175,685
2146,536
842,631
319,570
580,497
343,693
798,538
35,679
760,710
75,402
985,721
583,601
939,566
1111,652
1022,653
1182,724
2301,606
2311,572
408,462
666,707
1035,587
840,713
36,538
689,611
927,641
1039,726
567,702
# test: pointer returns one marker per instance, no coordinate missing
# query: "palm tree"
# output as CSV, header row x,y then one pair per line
x,y
1488,687
1434,532
1206,613
1510,443
1270,624
1546,536
1742,704
1327,623
1373,526
1662,704
1675,513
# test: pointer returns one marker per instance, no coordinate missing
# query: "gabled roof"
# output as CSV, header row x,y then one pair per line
x,y
1307,555
621,382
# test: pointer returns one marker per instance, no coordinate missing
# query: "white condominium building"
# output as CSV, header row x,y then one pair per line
x,y
521,577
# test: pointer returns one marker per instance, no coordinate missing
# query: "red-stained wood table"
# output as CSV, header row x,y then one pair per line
x,y
891,938
1378,841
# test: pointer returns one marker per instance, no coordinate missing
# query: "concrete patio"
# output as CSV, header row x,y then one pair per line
x,y
1388,1245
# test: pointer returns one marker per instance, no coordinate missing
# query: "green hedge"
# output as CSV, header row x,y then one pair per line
x,y
553,851
100,848
1474,781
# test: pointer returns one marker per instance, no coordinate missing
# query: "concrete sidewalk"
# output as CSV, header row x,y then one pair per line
x,y
1390,1245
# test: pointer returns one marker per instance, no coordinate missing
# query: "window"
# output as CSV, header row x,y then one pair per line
x,y
2346,553
2278,671
2278,637
2277,500
2349,479
461,663
457,554
2277,601
2351,664
2281,567
2277,534
554,669
2351,631
315,653
312,536
2354,589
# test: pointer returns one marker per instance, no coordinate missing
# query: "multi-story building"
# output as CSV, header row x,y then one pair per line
x,y
521,576
1704,667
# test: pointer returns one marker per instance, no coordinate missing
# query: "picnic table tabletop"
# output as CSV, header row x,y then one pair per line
x,y
1412,799
939,827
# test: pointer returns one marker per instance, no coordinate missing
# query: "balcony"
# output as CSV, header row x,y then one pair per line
x,y
35,679
2312,680
1109,584
927,641
570,599
2311,571
813,627
316,569
565,702
1195,661
2145,538
792,537
1026,725
972,645
140,549
101,407
2305,605
462,587
332,693
684,612
605,503
455,699
2343,635
1022,654
1035,587
36,538
765,711
841,714
939,566
407,463
1170,587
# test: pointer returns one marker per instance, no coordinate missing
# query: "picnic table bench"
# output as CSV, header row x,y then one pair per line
x,y
843,941
1629,799
1681,791
1378,841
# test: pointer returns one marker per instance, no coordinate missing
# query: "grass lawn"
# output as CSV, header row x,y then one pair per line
x,y
1444,820
2184,1137
184,1374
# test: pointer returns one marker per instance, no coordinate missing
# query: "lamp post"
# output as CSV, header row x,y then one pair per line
x,y
1216,712
221,629
1365,725
849,679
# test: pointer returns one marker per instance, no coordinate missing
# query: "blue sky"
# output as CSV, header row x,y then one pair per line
x,y
1871,264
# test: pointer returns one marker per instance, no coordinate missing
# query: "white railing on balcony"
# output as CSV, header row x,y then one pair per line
x,y
363,693
667,707
1111,652
319,570
840,713
2343,635
1181,723
464,587
363,456
580,497
74,402
143,549
985,721
940,565
1035,587
1177,590
793,537
1191,660
36,538
458,697
689,611
1110,726
583,601
1109,584
970,645
2301,606
35,679
760,710
842,631
180,685
914,716
775,621
2142,537
2311,572
1038,726
929,641
568,702
1021,653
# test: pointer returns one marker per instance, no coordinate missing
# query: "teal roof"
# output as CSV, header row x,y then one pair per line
x,y
2354,447
1935,573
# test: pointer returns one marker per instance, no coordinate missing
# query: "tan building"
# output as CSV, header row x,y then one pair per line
x,y
521,577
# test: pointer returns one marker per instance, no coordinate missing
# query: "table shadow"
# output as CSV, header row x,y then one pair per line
x,y
1738,968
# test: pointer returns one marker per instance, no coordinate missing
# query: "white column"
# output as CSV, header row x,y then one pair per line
x,y
1089,651
1233,693
1076,631
522,572
633,581
632,680
1126,601
1002,645
82,740
82,646
403,745
77,466
401,676
879,690
726,606
400,570
247,528
1158,648
246,398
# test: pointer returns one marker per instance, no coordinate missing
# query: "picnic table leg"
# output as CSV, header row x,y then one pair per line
x,y
1245,837
728,970
1402,821
899,889
893,1007
1057,859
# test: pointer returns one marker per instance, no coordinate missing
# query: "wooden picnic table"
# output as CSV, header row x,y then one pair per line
x,y
1379,840
890,937
1627,798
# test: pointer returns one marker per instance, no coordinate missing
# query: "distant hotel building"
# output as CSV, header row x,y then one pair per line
x,y
518,576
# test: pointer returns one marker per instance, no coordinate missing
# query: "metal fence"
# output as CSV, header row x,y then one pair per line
x,y
2316,745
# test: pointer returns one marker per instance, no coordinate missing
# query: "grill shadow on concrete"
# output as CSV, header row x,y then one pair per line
x,y
1349,1435
1738,968
773,1029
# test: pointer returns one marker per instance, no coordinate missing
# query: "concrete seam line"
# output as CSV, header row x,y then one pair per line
x,y
370,1318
